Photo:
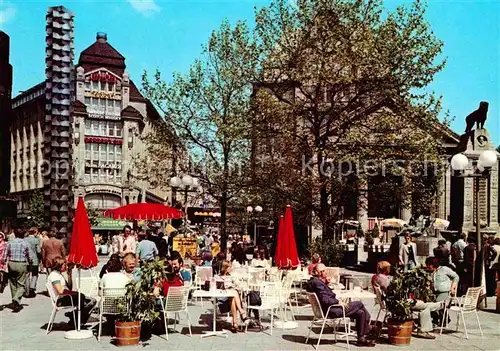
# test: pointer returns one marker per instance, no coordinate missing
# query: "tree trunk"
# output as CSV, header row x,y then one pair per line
x,y
323,196
223,204
223,226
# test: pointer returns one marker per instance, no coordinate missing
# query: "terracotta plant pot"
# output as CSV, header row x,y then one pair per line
x,y
127,333
399,332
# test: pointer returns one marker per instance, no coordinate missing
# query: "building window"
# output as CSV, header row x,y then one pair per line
x,y
88,151
95,175
87,175
104,151
118,176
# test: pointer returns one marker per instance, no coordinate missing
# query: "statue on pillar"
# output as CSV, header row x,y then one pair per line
x,y
478,117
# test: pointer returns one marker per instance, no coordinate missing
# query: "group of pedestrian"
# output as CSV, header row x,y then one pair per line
x,y
22,258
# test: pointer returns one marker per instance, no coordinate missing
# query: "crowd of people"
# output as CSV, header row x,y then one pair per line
x,y
23,255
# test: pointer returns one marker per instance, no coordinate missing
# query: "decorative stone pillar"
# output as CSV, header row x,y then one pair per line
x,y
59,93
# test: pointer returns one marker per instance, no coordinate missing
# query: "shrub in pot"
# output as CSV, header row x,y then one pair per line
x,y
402,293
138,309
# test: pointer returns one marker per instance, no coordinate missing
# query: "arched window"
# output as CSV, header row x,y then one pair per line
x,y
103,201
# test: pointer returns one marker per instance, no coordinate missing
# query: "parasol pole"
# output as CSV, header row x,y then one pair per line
x,y
79,297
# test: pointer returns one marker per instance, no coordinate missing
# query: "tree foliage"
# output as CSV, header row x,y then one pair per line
x,y
36,212
209,108
93,214
342,91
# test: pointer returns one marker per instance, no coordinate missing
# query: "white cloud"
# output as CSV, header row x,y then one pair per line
x,y
7,13
145,7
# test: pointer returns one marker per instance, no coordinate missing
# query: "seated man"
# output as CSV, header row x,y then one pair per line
x,y
177,265
354,309
423,308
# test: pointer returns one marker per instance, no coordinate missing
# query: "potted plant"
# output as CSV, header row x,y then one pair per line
x,y
137,309
403,291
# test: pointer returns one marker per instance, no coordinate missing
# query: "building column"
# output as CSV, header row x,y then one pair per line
x,y
406,209
494,184
363,202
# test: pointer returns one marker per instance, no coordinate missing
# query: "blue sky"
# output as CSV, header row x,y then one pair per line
x,y
168,34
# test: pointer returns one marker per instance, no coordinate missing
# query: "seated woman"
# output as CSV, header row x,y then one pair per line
x,y
114,278
315,259
232,304
130,268
355,309
112,258
239,258
206,258
63,289
259,260
382,279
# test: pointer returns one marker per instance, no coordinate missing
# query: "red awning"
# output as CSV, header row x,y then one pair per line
x,y
144,211
286,256
82,249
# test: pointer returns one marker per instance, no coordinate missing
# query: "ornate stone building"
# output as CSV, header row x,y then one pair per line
x,y
108,117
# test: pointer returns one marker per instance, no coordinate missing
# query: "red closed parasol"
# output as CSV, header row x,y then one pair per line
x,y
82,248
82,253
286,256
144,211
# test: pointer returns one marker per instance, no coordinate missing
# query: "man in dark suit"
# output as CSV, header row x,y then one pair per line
x,y
51,248
442,253
355,309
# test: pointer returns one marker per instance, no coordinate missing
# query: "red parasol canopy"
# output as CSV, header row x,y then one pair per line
x,y
144,211
286,255
82,249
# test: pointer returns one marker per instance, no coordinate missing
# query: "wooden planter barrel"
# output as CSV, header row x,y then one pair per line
x,y
127,333
399,332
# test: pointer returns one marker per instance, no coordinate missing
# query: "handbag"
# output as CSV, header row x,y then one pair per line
x,y
254,299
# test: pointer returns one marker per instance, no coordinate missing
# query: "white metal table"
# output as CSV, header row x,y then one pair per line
x,y
214,295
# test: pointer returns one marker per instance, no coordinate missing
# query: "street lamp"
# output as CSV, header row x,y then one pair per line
x,y
460,162
250,209
187,183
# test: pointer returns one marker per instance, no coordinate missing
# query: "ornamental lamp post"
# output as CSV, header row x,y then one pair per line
x,y
460,162
186,183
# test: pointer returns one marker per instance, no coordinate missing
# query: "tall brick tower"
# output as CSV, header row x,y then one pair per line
x,y
59,94
5,112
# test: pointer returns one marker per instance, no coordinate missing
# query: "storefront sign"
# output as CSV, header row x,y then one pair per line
x,y
103,116
102,77
103,94
102,189
103,140
184,245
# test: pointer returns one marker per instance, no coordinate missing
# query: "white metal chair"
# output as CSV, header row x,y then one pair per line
x,y
89,286
256,277
109,304
321,319
467,304
202,275
379,300
270,297
175,302
53,298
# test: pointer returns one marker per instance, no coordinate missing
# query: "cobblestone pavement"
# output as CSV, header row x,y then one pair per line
x,y
26,331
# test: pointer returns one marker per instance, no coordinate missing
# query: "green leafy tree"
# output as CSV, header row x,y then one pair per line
x,y
342,89
36,212
208,109
93,214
